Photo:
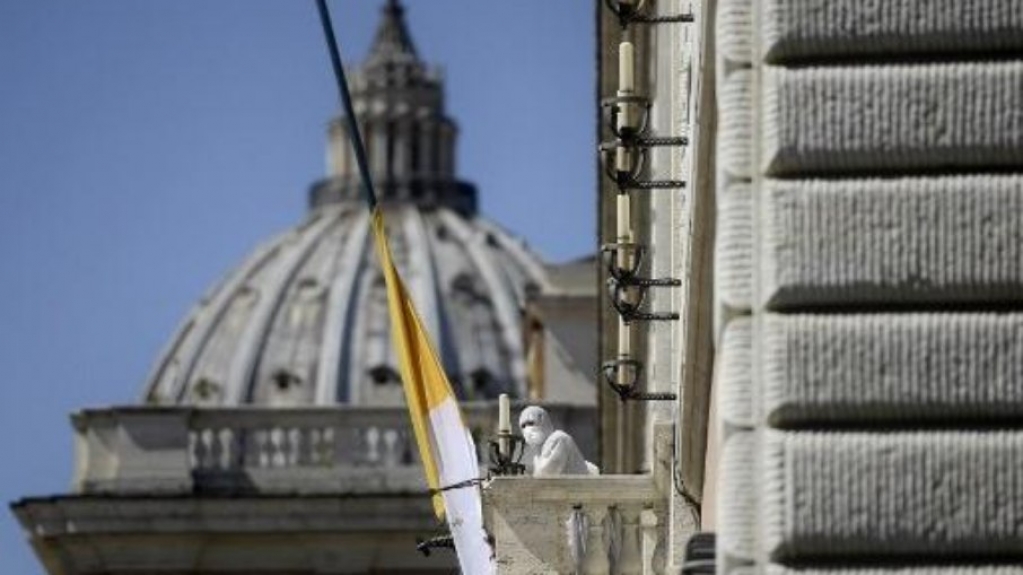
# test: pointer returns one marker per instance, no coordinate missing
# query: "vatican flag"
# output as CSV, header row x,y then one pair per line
x,y
445,444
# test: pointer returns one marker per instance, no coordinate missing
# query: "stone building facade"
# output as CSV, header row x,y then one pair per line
x,y
846,360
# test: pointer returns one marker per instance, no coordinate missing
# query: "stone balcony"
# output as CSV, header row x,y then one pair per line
x,y
335,450
583,525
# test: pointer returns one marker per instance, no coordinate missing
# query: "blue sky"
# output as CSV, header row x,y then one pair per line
x,y
145,147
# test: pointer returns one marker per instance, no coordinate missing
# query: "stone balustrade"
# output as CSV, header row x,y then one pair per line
x,y
338,449
612,524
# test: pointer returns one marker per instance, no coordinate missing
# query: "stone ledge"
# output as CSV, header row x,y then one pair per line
x,y
799,29
889,495
930,117
825,370
956,239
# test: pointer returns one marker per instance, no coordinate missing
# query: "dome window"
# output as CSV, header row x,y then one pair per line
x,y
384,375
481,380
206,390
464,284
285,379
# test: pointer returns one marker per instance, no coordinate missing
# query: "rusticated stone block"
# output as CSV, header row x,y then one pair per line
x,y
799,29
733,253
892,241
891,369
888,495
734,31
956,569
737,502
734,374
735,126
933,117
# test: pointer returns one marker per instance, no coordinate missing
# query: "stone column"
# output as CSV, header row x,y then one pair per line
x,y
427,143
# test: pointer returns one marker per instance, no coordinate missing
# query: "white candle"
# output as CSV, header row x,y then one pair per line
x,y
626,71
624,218
624,232
503,423
626,87
624,375
504,413
624,339
623,158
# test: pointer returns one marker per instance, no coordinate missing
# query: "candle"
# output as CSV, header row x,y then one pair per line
x,y
626,72
624,232
624,339
626,87
623,163
624,375
504,413
503,423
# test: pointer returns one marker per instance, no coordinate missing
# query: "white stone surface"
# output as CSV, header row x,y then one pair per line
x,y
736,505
890,241
800,29
878,368
735,125
871,119
733,32
734,370
529,519
733,250
940,494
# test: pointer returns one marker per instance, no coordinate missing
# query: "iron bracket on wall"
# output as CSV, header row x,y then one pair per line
x,y
636,141
624,282
628,391
636,13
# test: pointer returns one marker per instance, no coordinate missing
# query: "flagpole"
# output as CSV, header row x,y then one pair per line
x,y
346,102
452,473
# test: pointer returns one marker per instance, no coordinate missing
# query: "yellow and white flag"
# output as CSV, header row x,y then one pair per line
x,y
445,444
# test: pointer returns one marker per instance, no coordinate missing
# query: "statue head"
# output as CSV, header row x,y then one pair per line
x,y
535,424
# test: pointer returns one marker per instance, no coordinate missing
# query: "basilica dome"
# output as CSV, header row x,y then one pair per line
x,y
303,320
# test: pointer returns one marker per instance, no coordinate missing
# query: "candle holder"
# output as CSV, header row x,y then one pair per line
x,y
627,389
628,179
637,135
637,12
627,289
509,463
614,107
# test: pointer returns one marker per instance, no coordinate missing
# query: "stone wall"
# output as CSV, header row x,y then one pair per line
x,y
869,283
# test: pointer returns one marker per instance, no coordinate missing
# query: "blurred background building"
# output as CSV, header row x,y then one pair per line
x,y
272,436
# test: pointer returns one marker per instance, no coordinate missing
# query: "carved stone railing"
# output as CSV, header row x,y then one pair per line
x,y
342,449
613,524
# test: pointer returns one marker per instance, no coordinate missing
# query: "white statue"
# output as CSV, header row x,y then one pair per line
x,y
555,452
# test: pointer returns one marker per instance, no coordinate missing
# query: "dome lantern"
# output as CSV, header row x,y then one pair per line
x,y
410,140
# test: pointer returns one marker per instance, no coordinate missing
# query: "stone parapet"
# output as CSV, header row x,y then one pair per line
x,y
342,449
585,525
